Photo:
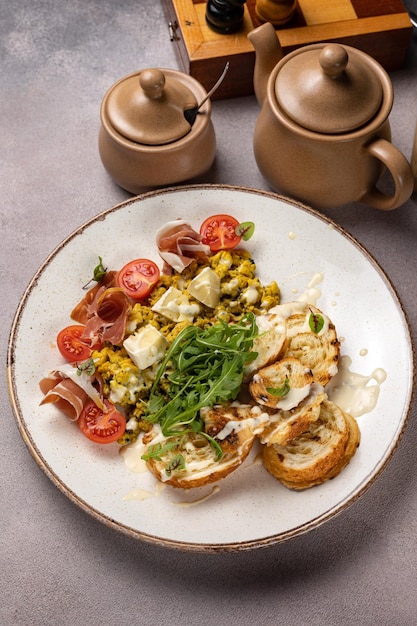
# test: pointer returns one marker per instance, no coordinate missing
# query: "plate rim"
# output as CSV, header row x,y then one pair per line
x,y
257,543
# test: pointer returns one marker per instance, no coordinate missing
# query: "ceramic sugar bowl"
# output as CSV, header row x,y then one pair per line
x,y
145,138
323,134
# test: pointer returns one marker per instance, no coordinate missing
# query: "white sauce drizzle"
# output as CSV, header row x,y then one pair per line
x,y
138,494
144,494
352,392
131,455
255,424
293,398
312,293
187,504
250,295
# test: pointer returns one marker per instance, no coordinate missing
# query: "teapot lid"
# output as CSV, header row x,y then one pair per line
x,y
328,89
148,107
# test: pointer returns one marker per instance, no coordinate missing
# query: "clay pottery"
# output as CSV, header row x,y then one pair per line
x,y
323,135
145,140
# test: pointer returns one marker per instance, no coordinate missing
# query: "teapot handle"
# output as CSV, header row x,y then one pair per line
x,y
401,172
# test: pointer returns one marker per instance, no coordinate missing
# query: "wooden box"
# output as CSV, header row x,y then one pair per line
x,y
381,28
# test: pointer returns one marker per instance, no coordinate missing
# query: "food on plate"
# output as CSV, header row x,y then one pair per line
x,y
190,460
138,278
318,454
200,360
311,338
219,232
281,385
70,387
102,425
179,245
268,344
71,345
285,425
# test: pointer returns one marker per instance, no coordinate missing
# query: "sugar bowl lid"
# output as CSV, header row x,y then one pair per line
x,y
148,107
329,89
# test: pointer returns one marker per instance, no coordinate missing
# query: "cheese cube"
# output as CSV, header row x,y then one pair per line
x,y
205,287
175,306
146,347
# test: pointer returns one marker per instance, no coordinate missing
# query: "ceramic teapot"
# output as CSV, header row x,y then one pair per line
x,y
323,135
145,138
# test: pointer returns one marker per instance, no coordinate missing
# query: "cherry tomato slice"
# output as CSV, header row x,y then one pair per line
x,y
137,278
218,232
71,346
99,426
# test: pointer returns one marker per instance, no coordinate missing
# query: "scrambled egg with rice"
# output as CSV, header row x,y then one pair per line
x,y
239,291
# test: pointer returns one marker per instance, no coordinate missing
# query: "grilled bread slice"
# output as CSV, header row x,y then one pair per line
x,y
351,447
191,460
268,343
284,384
318,454
310,337
283,426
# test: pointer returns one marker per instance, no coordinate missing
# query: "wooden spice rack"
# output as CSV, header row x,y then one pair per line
x,y
381,28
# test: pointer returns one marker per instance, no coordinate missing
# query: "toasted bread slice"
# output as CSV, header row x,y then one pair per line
x,y
311,338
284,384
283,426
351,447
309,458
191,460
268,344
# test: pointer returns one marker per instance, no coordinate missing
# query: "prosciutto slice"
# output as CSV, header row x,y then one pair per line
x,y
179,244
108,318
70,391
88,305
103,311
68,397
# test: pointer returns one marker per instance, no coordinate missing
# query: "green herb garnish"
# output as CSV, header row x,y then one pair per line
x,y
177,463
86,367
98,273
245,230
316,322
282,391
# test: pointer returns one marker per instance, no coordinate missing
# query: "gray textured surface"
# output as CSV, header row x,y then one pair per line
x,y
59,566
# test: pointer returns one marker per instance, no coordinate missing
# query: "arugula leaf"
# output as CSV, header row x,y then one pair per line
x,y
204,367
214,444
157,450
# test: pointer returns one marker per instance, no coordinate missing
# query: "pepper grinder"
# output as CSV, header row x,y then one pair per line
x,y
225,16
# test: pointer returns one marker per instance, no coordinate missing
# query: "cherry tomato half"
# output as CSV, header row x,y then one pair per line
x,y
138,278
99,426
71,346
219,232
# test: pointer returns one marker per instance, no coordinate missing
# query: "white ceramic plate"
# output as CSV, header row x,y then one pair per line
x,y
293,245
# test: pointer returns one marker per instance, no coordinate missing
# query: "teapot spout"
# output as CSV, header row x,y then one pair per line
x,y
268,52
